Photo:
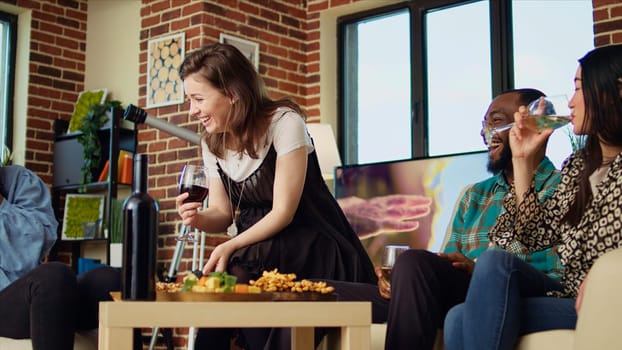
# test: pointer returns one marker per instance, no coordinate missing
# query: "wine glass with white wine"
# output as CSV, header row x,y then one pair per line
x,y
546,112
193,180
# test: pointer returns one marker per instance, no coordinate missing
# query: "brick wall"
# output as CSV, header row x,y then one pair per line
x,y
57,54
288,34
607,22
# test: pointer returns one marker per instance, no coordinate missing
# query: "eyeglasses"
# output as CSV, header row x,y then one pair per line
x,y
490,132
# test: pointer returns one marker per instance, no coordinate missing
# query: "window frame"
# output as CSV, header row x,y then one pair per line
x,y
11,21
501,64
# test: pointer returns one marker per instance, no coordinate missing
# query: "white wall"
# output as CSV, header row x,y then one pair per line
x,y
113,36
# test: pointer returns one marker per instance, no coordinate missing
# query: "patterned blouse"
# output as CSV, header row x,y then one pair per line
x,y
539,226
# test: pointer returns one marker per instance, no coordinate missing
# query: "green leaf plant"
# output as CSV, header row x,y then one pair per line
x,y
6,158
576,141
96,117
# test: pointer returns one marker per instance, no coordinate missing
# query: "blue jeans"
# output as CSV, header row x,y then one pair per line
x,y
506,299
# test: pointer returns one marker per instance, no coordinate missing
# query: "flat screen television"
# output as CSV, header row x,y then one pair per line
x,y
433,185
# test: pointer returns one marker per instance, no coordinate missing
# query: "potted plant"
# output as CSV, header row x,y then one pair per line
x,y
96,117
6,157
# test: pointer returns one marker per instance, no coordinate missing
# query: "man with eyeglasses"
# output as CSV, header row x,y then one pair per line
x,y
425,285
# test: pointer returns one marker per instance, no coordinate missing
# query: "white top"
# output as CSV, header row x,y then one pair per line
x,y
598,176
287,132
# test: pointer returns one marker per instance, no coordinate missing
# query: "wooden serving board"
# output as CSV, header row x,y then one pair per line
x,y
274,296
198,296
304,296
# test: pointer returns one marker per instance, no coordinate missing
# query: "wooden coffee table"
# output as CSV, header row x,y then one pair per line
x,y
116,319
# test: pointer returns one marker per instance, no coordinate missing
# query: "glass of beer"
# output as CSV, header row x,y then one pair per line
x,y
389,256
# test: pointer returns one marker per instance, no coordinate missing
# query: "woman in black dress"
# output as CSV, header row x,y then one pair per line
x,y
266,187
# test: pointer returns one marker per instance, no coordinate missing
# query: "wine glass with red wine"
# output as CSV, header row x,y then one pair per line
x,y
193,180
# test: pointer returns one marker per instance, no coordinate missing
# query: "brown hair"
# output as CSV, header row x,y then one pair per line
x,y
229,71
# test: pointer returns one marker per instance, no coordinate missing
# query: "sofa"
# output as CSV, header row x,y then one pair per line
x,y
83,341
597,327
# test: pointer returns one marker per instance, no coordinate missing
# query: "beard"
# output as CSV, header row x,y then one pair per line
x,y
497,166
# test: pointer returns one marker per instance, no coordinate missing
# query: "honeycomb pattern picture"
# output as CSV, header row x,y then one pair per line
x,y
165,55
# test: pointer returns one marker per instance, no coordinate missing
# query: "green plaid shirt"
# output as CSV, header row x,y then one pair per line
x,y
479,208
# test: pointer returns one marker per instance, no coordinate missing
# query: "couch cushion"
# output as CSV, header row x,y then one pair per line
x,y
83,341
555,339
379,331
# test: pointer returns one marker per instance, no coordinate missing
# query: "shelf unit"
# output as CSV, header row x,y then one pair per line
x,y
116,135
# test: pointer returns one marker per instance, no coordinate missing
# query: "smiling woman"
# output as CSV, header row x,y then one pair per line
x,y
266,186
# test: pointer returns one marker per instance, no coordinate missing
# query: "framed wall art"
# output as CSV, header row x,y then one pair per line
x,y
249,48
164,57
83,216
86,99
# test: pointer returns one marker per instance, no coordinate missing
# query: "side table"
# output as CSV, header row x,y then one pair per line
x,y
116,319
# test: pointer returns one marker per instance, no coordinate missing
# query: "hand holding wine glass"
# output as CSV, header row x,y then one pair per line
x,y
195,182
548,112
544,113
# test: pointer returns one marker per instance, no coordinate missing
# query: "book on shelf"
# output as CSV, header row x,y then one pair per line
x,y
125,168
104,174
116,220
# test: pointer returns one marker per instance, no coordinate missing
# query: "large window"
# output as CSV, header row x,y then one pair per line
x,y
546,56
458,76
8,30
381,94
416,77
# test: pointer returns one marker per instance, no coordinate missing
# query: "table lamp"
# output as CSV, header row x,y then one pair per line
x,y
326,148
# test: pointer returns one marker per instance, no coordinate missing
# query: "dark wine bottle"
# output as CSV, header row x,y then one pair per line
x,y
140,234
